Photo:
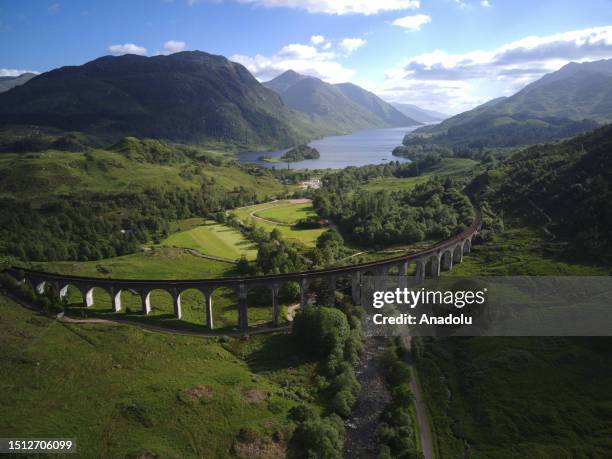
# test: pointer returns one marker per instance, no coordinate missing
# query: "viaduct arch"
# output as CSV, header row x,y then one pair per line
x,y
440,256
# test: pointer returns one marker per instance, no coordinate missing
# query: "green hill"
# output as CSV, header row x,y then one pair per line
x,y
189,97
574,99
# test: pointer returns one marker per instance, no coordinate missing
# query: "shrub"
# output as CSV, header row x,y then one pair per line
x,y
321,331
318,438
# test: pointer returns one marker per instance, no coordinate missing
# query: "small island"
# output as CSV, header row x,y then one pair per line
x,y
300,153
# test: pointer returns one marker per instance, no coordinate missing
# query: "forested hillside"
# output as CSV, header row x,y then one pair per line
x,y
97,204
563,187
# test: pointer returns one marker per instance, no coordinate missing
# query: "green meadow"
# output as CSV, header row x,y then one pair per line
x,y
288,215
122,391
281,215
212,239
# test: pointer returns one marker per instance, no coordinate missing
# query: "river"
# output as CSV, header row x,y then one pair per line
x,y
370,146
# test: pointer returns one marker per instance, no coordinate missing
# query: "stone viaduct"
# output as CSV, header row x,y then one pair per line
x,y
441,256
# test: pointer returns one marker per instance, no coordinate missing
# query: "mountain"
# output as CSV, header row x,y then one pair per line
x,y
575,98
374,104
188,96
284,81
419,114
8,82
343,107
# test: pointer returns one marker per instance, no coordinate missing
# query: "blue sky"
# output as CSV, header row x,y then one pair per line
x,y
447,55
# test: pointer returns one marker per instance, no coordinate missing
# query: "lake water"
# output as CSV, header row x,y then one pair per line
x,y
371,146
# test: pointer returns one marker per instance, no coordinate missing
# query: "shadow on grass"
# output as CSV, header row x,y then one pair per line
x,y
277,352
162,321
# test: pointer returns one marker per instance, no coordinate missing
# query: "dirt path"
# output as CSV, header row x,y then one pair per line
x,y
361,426
420,408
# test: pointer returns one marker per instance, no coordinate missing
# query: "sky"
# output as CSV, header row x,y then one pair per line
x,y
445,55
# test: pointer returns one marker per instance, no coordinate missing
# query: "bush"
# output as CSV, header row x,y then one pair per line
x,y
302,413
321,331
342,403
318,438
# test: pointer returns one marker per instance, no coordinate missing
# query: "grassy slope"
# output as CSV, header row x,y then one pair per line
x,y
521,251
278,211
288,214
520,397
58,172
213,239
119,389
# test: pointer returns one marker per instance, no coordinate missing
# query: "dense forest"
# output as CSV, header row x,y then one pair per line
x,y
435,209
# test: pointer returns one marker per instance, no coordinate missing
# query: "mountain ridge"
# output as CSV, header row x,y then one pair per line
x,y
419,114
345,106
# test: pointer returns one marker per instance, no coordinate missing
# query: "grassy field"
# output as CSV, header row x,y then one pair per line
x,y
163,263
213,239
156,263
109,171
284,213
121,391
288,215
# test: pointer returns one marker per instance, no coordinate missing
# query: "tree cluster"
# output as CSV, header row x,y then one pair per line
x,y
435,209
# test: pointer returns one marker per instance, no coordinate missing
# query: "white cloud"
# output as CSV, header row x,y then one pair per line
x,y
174,46
412,23
349,45
531,56
485,3
317,39
127,48
320,41
460,81
339,7
54,8
306,59
14,72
